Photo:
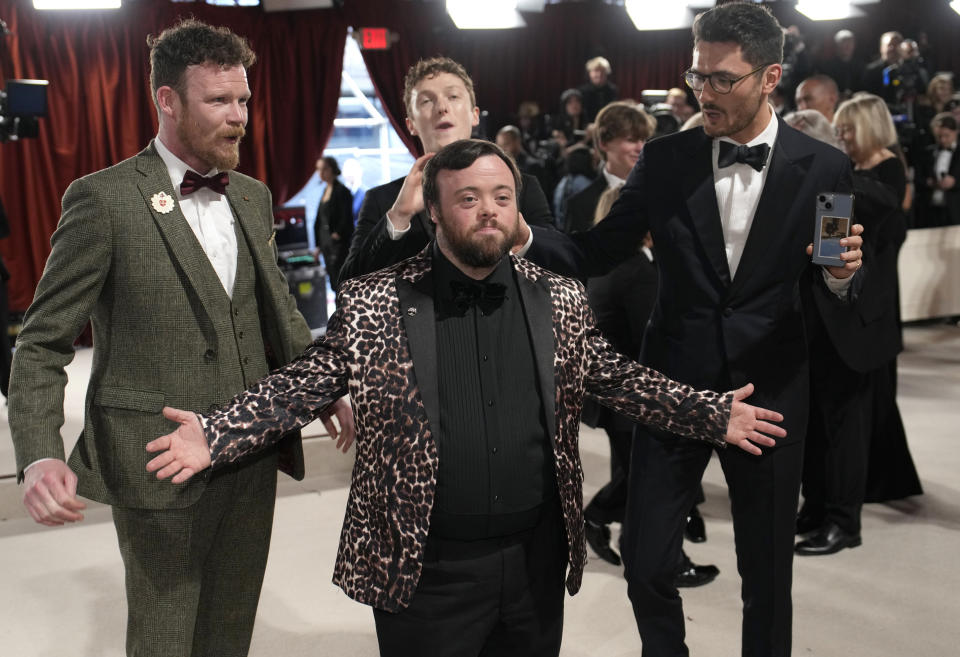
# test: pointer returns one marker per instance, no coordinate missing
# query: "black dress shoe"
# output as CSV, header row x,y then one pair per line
x,y
598,536
692,575
827,540
695,531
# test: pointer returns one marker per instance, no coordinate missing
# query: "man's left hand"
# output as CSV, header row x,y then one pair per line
x,y
852,257
184,452
749,424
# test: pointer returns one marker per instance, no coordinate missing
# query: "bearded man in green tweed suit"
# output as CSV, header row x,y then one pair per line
x,y
188,308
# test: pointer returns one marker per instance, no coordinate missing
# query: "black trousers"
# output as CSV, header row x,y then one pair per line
x,y
837,442
491,598
609,503
665,472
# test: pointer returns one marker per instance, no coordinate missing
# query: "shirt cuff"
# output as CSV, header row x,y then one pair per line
x,y
522,251
38,461
838,286
394,232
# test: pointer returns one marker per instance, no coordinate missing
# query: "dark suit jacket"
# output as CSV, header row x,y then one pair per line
x,y
951,197
372,249
140,276
707,330
582,206
341,219
380,346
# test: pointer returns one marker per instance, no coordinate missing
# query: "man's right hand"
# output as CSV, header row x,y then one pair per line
x,y
50,493
410,200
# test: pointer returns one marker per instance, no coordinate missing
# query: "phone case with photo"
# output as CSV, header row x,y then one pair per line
x,y
833,220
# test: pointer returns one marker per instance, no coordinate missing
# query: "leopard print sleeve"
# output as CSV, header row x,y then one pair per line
x,y
648,396
287,399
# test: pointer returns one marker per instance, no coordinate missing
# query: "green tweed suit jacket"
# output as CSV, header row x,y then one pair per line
x,y
142,279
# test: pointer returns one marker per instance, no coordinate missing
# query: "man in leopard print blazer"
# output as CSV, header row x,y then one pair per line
x,y
467,371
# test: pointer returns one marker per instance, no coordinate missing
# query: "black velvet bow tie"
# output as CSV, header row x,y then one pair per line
x,y
193,181
485,296
755,156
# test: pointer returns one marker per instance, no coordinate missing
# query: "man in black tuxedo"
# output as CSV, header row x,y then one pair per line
x,y
939,173
731,210
393,224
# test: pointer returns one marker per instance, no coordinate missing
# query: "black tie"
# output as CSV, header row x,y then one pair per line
x,y
193,181
485,296
755,156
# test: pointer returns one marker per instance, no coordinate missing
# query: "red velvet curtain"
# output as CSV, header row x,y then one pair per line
x,y
97,63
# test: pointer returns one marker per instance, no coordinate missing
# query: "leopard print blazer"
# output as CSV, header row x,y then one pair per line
x,y
366,352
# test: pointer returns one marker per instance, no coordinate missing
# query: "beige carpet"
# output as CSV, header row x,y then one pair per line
x,y
896,595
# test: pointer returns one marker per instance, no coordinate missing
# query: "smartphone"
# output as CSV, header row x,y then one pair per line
x,y
833,221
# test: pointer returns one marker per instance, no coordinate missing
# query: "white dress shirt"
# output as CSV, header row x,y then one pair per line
x,y
209,216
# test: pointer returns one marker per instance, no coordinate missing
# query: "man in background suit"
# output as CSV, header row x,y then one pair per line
x,y
393,224
731,209
468,370
181,284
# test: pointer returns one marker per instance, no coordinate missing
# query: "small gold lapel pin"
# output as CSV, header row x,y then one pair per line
x,y
273,236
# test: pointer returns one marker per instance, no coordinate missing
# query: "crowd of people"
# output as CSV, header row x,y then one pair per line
x,y
470,352
922,101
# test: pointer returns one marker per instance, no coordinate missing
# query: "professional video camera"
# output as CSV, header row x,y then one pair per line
x,y
21,104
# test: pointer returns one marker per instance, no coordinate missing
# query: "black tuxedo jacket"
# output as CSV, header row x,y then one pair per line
x,y
951,197
372,248
707,329
583,204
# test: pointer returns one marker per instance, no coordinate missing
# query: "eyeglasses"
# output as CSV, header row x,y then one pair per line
x,y
718,81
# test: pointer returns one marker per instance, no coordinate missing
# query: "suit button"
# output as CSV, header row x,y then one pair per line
x,y
240,335
728,311
236,312
209,355
246,360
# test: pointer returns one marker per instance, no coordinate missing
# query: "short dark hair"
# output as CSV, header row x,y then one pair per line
x,y
944,120
331,162
428,68
190,43
458,156
621,119
750,26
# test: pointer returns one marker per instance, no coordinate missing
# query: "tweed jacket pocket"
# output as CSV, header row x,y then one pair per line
x,y
146,401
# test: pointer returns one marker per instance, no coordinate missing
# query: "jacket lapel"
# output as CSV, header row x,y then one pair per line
x,y
774,205
701,194
185,250
416,310
538,309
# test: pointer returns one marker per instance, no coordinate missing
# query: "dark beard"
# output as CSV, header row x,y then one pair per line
x,y
483,253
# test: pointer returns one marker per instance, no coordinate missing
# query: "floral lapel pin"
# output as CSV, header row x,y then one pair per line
x,y
162,202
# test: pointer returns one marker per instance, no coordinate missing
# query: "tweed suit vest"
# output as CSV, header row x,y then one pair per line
x,y
242,357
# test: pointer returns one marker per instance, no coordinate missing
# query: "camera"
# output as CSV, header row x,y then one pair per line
x,y
22,103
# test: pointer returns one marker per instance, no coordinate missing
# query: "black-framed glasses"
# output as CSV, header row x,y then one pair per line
x,y
720,82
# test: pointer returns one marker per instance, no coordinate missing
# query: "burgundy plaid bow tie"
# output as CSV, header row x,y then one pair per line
x,y
193,181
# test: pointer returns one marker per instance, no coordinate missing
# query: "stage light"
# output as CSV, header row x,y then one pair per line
x,y
76,4
955,5
831,10
489,15
660,15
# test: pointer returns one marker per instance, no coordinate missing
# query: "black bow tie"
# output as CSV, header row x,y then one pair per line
x,y
485,296
755,156
193,181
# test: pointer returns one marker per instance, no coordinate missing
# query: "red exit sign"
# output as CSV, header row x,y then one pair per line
x,y
374,38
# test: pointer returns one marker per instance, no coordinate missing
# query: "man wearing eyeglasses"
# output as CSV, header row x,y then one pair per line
x,y
731,208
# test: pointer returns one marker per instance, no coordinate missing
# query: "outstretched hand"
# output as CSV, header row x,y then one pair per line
x,y
749,424
184,452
